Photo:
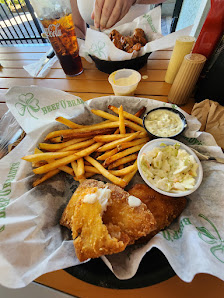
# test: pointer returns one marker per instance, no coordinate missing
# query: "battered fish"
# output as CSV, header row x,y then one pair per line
x,y
136,222
92,238
165,209
80,191
97,233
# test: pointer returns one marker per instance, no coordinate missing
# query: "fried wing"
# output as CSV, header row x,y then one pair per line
x,y
139,36
165,209
128,43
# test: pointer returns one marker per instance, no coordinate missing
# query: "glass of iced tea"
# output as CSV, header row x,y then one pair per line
x,y
56,18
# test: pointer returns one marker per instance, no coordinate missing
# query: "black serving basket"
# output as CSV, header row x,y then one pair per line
x,y
153,269
111,66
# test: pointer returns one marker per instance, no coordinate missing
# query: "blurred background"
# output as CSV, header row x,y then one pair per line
x,y
19,24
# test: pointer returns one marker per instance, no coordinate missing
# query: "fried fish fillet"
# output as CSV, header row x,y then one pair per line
x,y
136,222
69,210
91,237
165,209
96,233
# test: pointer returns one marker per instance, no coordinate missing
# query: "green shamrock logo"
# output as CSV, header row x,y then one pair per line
x,y
216,241
29,103
97,49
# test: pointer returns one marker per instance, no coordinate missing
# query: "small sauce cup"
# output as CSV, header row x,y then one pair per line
x,y
124,81
168,123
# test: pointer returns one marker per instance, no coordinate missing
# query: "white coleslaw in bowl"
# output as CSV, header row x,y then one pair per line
x,y
170,167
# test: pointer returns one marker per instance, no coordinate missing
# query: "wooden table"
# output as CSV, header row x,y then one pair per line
x,y
93,83
12,73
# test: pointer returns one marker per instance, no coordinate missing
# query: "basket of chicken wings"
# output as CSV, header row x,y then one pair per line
x,y
128,44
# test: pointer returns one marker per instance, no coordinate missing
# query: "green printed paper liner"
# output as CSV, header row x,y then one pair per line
x,y
31,240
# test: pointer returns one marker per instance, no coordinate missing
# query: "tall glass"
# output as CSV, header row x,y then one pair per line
x,y
56,18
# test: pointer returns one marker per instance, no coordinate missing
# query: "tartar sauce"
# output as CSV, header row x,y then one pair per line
x,y
163,123
126,81
101,194
133,201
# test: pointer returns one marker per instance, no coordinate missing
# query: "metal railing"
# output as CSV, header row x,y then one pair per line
x,y
18,23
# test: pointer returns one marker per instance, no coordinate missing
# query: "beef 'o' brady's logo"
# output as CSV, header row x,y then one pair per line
x,y
53,30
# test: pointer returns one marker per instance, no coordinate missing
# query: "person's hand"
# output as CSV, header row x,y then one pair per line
x,y
106,13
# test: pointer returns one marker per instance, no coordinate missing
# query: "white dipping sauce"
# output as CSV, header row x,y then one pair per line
x,y
102,195
133,201
163,123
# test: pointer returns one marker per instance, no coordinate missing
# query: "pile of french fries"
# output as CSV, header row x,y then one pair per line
x,y
109,148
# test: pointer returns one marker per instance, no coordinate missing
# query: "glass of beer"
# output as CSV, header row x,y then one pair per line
x,y
56,18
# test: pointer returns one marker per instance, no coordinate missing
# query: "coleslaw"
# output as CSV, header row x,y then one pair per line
x,y
169,168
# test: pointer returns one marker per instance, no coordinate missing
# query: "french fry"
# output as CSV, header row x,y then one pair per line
x,y
105,173
127,178
78,145
46,156
126,115
54,147
91,169
38,163
121,120
114,144
88,128
87,134
89,150
68,123
122,154
66,160
74,145
45,177
115,118
80,168
74,167
105,115
56,140
140,112
87,175
123,171
126,145
67,170
107,154
123,161
55,164
113,137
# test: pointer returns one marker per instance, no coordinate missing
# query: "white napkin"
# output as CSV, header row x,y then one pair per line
x,y
39,69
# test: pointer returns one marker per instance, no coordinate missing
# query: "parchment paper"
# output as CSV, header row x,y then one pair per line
x,y
99,44
31,240
211,116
